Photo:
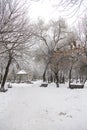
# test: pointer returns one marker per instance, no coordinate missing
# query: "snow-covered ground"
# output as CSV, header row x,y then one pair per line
x,y
30,107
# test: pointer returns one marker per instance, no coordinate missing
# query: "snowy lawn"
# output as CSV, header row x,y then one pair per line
x,y
30,107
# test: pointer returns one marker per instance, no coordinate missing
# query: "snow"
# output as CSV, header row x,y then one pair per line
x,y
31,107
21,72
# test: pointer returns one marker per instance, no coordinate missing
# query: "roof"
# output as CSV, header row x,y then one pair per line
x,y
22,72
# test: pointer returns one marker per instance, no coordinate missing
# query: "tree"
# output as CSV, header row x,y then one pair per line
x,y
15,33
57,64
76,4
51,36
82,31
68,58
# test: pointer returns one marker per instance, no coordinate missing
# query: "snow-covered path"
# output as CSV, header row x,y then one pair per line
x,y
29,107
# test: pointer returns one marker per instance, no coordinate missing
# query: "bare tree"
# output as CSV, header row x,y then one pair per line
x,y
56,64
82,31
51,37
76,4
15,33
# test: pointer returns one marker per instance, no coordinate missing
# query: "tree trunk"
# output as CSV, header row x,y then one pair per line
x,y
57,79
1,73
44,74
51,78
5,74
70,76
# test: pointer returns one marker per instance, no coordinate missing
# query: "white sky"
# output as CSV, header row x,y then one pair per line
x,y
42,9
45,10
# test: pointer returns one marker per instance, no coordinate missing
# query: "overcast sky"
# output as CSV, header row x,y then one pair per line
x,y
46,9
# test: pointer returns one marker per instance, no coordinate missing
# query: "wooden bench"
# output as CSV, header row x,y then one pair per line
x,y
3,90
73,86
44,85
